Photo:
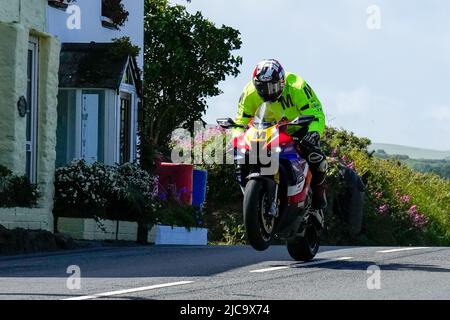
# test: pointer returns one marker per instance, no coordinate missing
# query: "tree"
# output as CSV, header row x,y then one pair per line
x,y
186,56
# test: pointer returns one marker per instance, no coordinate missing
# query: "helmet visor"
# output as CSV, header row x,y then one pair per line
x,y
269,91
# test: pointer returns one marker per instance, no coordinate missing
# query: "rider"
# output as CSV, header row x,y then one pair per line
x,y
290,93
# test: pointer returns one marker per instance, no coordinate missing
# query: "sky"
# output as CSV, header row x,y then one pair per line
x,y
381,72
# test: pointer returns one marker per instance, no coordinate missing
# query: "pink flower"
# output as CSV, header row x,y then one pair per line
x,y
419,220
412,210
351,165
378,195
344,158
383,209
334,152
405,198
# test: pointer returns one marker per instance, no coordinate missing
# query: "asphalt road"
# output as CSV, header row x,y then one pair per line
x,y
220,272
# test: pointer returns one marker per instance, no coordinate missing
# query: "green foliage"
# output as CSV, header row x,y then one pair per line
x,y
177,215
402,206
16,191
225,223
124,47
233,231
186,56
343,140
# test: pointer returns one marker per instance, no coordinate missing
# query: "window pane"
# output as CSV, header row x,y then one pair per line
x,y
125,127
100,130
29,91
62,129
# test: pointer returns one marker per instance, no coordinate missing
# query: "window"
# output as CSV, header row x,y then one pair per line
x,y
31,117
81,126
125,128
92,125
128,77
66,130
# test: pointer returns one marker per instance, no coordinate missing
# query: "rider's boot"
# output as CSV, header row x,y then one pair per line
x,y
319,199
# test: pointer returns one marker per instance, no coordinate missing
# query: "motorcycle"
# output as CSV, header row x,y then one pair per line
x,y
277,193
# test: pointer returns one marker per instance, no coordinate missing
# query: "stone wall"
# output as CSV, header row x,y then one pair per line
x,y
13,84
89,229
25,218
20,20
29,13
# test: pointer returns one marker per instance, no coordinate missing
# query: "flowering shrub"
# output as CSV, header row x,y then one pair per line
x,y
16,191
123,192
402,206
132,177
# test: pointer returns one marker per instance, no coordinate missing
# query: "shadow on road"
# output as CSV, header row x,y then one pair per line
x,y
151,261
363,265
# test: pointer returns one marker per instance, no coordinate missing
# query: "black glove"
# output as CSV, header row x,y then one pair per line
x,y
310,148
311,140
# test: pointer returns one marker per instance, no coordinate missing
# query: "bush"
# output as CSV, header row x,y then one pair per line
x,y
100,191
402,206
177,215
16,191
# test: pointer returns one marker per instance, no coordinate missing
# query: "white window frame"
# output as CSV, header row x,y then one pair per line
x,y
32,144
131,90
78,135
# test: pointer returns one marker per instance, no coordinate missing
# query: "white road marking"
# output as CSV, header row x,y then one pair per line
x,y
120,292
306,264
269,269
402,249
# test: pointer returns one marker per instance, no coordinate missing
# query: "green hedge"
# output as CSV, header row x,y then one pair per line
x,y
16,191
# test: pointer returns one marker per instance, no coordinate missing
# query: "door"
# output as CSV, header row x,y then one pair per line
x,y
31,117
89,127
125,128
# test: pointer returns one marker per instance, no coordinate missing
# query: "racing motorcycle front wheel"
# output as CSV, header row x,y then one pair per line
x,y
259,224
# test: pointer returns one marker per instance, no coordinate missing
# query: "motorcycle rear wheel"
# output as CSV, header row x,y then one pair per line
x,y
305,248
258,224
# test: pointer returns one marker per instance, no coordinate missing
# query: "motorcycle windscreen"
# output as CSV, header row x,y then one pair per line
x,y
268,114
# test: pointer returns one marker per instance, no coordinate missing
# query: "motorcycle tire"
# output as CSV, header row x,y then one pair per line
x,y
305,248
257,236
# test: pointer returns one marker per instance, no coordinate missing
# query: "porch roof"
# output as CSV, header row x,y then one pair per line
x,y
95,65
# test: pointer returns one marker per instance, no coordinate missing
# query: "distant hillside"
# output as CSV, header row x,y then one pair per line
x,y
413,153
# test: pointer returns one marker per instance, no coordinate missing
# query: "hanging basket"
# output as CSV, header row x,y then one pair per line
x,y
60,4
